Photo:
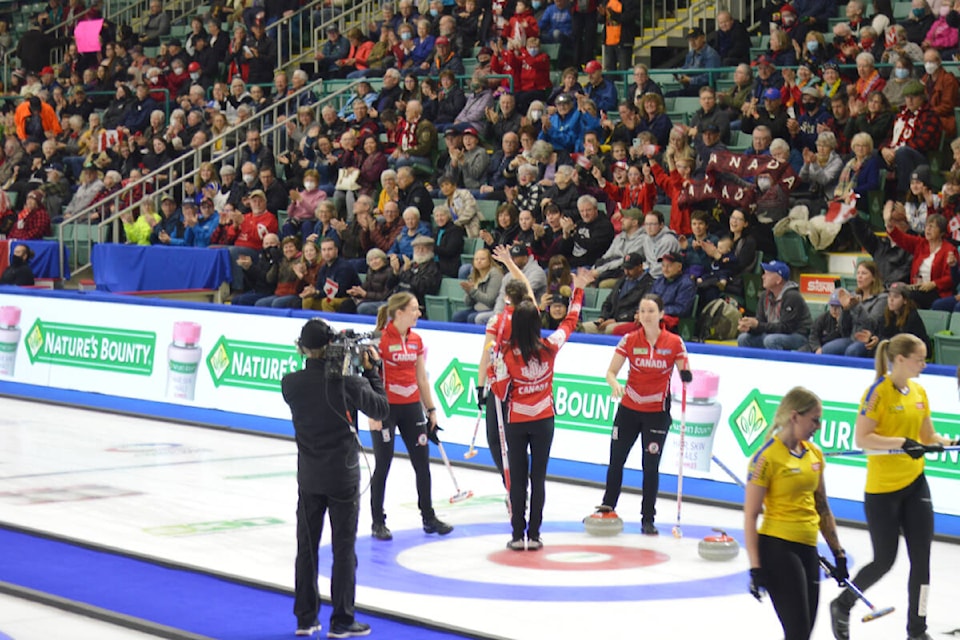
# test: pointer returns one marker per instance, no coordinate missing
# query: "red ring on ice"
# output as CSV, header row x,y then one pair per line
x,y
563,557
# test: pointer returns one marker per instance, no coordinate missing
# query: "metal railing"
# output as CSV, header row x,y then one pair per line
x,y
289,31
671,18
79,232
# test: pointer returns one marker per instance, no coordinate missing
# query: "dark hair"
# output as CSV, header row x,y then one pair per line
x,y
525,331
900,317
652,296
702,216
511,209
515,291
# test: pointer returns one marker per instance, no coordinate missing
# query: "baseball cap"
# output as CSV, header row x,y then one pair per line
x,y
55,166
47,69
227,170
442,40
771,94
712,128
166,197
810,91
564,98
193,66
257,193
485,51
764,60
519,249
593,65
834,298
901,289
695,32
913,88
788,9
470,131
673,256
921,174
632,213
174,42
632,260
777,267
189,202
559,299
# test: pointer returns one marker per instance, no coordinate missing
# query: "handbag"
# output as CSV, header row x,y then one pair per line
x,y
347,180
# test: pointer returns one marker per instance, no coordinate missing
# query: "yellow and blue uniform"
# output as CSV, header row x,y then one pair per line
x,y
789,509
898,415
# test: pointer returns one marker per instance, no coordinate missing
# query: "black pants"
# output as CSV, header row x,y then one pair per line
x,y
793,582
538,437
409,418
908,510
493,432
585,36
344,510
652,428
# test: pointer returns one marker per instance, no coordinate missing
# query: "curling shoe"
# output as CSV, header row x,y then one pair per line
x,y
380,531
436,525
922,636
352,630
534,543
307,630
647,528
840,620
516,544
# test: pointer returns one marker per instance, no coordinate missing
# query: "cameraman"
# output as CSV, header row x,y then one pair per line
x,y
324,410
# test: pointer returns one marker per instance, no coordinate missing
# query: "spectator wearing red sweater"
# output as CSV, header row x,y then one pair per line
x,y
916,133
930,271
672,184
531,72
252,227
33,221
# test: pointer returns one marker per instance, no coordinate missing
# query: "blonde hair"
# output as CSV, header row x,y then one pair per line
x,y
902,344
799,399
396,302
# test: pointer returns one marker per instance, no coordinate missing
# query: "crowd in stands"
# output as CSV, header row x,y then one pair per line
x,y
389,192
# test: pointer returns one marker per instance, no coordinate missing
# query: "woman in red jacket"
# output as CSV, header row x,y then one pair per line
x,y
408,390
523,380
672,184
652,352
930,272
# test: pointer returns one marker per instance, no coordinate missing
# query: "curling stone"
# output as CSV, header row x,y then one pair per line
x,y
719,548
604,522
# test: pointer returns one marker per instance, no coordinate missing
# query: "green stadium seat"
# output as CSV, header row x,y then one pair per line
x,y
934,321
438,308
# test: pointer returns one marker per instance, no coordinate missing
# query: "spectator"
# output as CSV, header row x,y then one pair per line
x,y
480,288
771,115
700,56
480,98
379,284
333,49
411,192
19,273
630,240
200,228
830,328
732,40
586,240
600,90
677,290
416,138
357,54
283,277
942,89
922,199
917,24
260,53
900,316
654,118
783,319
33,221
321,226
170,230
528,193
556,26
448,239
531,270
421,275
469,165
862,312
565,128
156,27
89,186
34,47
303,203
503,119
618,311
138,231
403,245
821,170
930,271
253,227
505,231
384,235
569,85
335,279
710,114
657,241
36,120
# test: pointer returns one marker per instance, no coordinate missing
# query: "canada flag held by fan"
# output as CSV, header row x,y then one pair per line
x,y
839,211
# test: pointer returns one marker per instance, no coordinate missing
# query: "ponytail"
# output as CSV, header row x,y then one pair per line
x,y
902,344
396,302
880,360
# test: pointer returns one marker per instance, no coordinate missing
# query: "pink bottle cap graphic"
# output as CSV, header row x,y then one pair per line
x,y
706,384
183,332
9,316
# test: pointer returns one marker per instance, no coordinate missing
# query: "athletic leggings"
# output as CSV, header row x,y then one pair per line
x,y
653,428
409,418
792,571
538,436
911,511
493,432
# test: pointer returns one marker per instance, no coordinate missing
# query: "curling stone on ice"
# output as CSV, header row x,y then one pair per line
x,y
603,522
718,548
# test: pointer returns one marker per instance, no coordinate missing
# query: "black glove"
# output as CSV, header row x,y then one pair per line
x,y
839,571
913,448
954,443
936,447
481,397
433,435
686,375
758,583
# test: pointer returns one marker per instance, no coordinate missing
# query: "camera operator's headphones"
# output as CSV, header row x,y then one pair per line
x,y
315,334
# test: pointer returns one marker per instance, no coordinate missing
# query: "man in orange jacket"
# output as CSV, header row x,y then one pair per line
x,y
35,119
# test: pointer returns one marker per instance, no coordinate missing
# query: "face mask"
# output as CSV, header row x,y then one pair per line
x,y
918,13
434,13
537,5
536,114
248,179
405,35
533,51
177,71
788,20
194,76
901,74
931,67
812,46
809,106
154,80
944,11
763,184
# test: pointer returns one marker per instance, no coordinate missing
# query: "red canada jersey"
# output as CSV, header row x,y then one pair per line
x,y
651,366
498,336
399,355
254,227
529,385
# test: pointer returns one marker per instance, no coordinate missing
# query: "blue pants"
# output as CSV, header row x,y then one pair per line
x,y
772,341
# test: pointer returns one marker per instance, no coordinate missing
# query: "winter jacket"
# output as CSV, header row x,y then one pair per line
x,y
785,313
892,261
587,242
623,307
677,294
656,246
483,297
826,328
920,249
449,246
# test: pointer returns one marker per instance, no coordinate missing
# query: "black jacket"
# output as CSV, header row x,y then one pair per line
x,y
623,308
327,445
255,278
448,249
421,280
892,261
20,275
416,196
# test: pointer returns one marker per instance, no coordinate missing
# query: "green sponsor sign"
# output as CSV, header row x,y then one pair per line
x,y
251,365
581,403
751,419
87,347
215,526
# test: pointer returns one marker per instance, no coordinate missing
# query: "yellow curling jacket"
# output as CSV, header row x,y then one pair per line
x,y
899,415
789,511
